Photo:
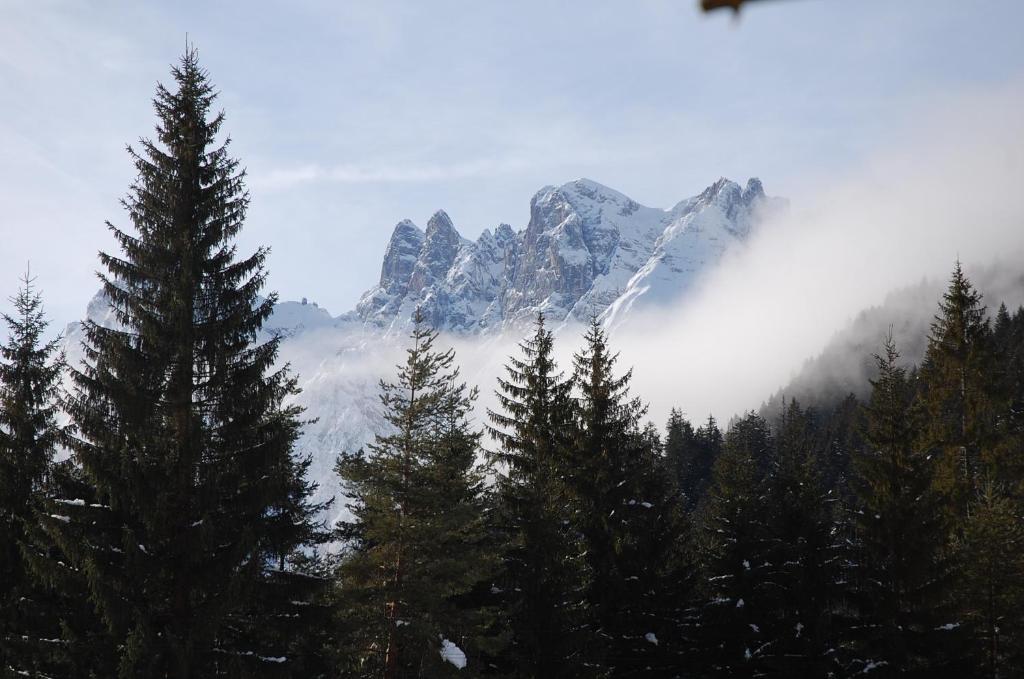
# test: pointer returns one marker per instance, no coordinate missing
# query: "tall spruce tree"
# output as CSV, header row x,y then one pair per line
x,y
957,390
30,372
992,592
802,552
544,572
1007,373
901,579
418,549
181,427
628,517
709,441
679,447
736,555
690,455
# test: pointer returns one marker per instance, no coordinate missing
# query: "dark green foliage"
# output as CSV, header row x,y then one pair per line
x,y
61,632
627,512
902,570
839,436
957,391
181,428
417,550
679,447
736,555
991,594
544,574
1006,454
750,436
802,552
30,370
691,455
710,442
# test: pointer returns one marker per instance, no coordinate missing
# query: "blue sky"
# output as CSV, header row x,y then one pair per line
x,y
353,115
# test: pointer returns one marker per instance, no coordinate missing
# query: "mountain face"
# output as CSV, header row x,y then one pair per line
x,y
587,250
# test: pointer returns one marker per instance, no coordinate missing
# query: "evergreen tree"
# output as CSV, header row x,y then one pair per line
x,y
803,553
691,455
61,632
1003,335
1007,374
679,448
709,442
751,437
627,515
652,441
956,391
901,578
181,427
992,594
662,554
837,441
543,569
30,371
419,551
736,555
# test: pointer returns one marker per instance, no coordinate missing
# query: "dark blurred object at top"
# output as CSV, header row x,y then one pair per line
x,y
734,5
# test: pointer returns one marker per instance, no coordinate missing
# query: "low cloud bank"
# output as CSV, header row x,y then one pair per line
x,y
952,188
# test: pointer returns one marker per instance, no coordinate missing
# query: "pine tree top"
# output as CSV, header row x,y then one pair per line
x,y
533,390
28,323
962,317
30,371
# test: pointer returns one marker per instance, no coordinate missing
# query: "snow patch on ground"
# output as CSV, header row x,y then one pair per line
x,y
453,654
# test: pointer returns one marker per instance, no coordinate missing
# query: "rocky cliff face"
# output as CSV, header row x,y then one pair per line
x,y
587,249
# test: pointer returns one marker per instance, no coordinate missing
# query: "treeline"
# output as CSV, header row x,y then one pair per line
x,y
567,537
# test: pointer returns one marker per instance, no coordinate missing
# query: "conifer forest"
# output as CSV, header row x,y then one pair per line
x,y
157,519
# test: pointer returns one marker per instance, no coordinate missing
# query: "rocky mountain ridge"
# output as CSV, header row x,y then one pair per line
x,y
587,249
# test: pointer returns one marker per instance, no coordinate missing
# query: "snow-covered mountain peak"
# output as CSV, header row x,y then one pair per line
x,y
440,248
440,222
583,199
504,234
753,190
402,251
587,249
99,310
583,191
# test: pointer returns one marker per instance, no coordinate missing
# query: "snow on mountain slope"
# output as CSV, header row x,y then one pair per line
x,y
587,249
699,232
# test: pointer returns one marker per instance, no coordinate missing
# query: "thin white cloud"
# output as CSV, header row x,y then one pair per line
x,y
287,178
